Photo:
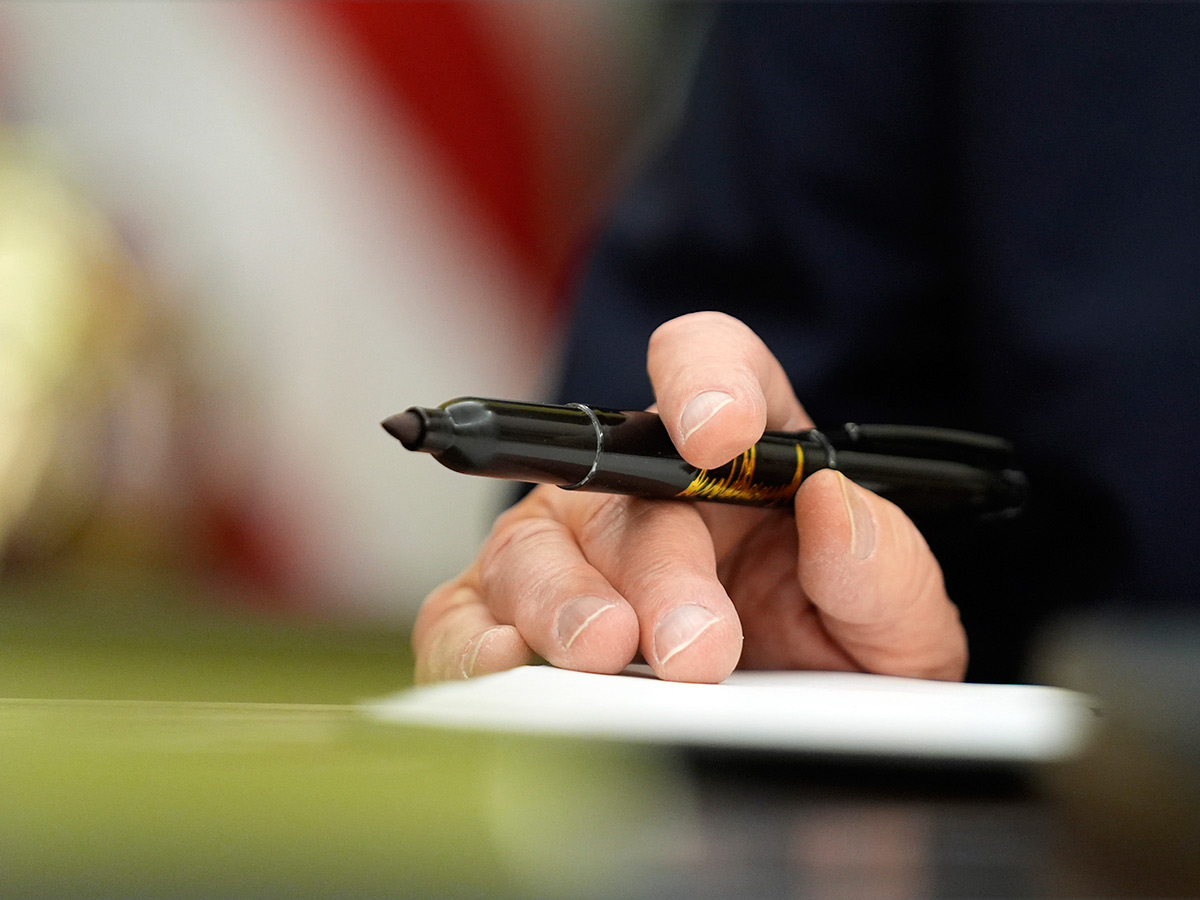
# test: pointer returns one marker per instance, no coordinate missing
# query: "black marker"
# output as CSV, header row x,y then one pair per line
x,y
926,471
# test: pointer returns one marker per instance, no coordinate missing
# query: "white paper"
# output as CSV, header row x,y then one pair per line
x,y
814,712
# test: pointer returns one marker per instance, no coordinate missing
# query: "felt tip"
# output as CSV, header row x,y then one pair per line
x,y
406,427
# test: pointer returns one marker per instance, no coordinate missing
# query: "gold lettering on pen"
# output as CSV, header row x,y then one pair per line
x,y
737,481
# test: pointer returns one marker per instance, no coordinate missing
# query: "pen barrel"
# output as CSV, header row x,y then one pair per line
x,y
638,457
584,448
592,449
935,487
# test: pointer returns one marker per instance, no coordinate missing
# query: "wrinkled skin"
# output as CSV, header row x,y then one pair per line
x,y
589,581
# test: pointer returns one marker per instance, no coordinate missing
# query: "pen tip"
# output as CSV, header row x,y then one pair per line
x,y
406,427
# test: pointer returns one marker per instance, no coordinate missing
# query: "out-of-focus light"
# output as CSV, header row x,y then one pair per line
x,y
86,409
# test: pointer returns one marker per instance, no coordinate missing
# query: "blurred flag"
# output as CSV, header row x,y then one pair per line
x,y
353,207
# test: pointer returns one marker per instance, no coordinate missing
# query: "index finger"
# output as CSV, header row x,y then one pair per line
x,y
718,387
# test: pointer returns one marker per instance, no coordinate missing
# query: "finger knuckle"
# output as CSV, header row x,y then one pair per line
x,y
687,324
513,537
604,521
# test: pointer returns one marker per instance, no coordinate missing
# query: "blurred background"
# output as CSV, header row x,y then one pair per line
x,y
235,236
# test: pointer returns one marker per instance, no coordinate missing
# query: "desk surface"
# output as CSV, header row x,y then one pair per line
x,y
159,748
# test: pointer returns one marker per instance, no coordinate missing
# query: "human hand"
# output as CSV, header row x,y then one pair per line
x,y
586,581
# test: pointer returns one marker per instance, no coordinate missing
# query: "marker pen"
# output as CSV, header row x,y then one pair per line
x,y
926,471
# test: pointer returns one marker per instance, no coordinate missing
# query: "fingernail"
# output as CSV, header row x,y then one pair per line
x,y
472,652
862,524
578,614
679,629
700,409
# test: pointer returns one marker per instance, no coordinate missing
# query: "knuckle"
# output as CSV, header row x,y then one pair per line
x,y
602,523
512,536
689,323
645,541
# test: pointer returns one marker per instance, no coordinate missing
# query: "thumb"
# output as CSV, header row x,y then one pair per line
x,y
879,590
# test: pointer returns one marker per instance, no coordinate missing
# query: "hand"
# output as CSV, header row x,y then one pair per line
x,y
587,580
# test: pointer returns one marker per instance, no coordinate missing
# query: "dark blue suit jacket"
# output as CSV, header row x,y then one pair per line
x,y
977,215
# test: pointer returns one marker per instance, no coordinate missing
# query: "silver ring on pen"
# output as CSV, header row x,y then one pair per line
x,y
587,411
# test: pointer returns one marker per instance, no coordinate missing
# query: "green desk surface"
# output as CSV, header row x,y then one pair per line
x,y
157,743
158,740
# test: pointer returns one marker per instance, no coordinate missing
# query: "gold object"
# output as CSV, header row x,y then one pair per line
x,y
71,317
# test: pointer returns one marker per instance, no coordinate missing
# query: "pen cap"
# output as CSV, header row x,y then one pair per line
x,y
494,437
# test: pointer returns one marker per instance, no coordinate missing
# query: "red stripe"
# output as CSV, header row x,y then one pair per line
x,y
434,62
